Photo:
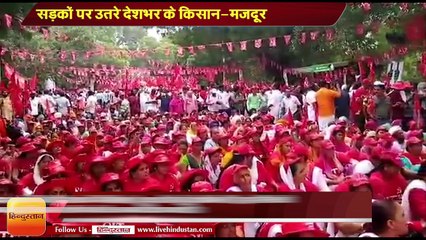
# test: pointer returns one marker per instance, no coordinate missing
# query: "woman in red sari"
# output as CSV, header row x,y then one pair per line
x,y
136,177
162,172
338,138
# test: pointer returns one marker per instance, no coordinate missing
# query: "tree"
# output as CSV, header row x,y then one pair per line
x,y
347,45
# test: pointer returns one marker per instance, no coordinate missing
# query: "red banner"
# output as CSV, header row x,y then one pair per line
x,y
184,14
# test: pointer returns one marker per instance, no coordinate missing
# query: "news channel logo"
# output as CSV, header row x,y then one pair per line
x,y
26,217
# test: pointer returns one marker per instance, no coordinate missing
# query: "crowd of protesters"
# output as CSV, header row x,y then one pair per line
x,y
268,138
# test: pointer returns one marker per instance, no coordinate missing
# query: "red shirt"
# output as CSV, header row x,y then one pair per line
x,y
24,166
309,187
357,100
169,182
385,187
28,181
131,186
417,198
413,159
76,183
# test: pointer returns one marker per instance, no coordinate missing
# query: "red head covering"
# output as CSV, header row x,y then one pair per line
x,y
191,174
27,147
202,186
47,186
227,179
109,177
295,228
392,158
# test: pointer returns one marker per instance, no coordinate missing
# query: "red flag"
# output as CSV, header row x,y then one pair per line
x,y
243,45
287,39
272,42
8,20
366,7
329,34
15,96
167,51
258,43
302,37
45,33
191,50
230,46
33,83
180,52
8,71
314,35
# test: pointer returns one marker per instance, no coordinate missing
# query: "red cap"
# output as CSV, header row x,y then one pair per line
x,y
109,177
27,147
119,146
359,180
196,140
371,125
212,150
162,141
95,159
146,140
54,144
370,142
227,179
202,186
161,158
178,134
108,139
47,186
413,141
70,139
161,127
391,157
191,174
116,156
54,168
22,140
398,86
301,150
414,133
294,228
244,149
135,161
412,125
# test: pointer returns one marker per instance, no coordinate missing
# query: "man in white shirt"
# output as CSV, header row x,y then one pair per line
x,y
310,102
274,100
91,104
63,104
291,104
48,103
34,105
214,103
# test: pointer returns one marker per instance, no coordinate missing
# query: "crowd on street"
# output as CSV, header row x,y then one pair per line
x,y
319,137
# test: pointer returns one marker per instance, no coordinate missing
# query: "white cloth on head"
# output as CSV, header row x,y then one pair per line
x,y
363,167
415,184
394,129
